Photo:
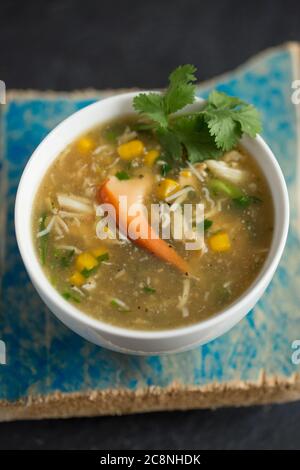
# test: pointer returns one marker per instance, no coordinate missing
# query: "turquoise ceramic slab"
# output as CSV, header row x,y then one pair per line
x,y
50,371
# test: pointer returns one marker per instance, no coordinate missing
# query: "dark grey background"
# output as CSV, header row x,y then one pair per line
x,y
63,45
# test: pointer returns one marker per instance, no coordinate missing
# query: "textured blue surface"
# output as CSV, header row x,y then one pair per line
x,y
43,356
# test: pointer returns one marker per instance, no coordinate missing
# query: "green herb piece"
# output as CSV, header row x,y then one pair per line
x,y
193,134
149,290
70,296
89,272
218,186
165,168
122,175
223,294
43,241
207,224
214,128
104,257
64,257
228,118
245,201
119,305
113,132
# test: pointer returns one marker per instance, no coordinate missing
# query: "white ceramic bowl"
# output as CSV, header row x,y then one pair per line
x,y
121,339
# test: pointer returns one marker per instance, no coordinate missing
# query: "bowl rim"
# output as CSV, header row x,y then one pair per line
x,y
43,284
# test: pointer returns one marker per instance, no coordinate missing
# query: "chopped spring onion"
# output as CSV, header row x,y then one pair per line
x,y
65,257
122,175
43,235
149,289
71,296
224,187
245,201
119,304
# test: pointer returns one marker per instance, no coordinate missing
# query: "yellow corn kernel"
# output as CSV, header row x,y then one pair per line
x,y
186,173
85,144
166,188
77,279
97,252
85,261
130,150
151,157
219,242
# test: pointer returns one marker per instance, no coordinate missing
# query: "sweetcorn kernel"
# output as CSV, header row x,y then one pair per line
x,y
151,157
85,144
186,173
86,261
130,150
219,242
77,279
166,188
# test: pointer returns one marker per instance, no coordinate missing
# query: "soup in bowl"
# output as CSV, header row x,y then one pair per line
x,y
185,258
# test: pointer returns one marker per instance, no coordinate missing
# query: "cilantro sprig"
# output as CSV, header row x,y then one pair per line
x,y
215,127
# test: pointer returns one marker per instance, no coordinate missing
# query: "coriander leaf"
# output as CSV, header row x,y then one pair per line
x,y
170,143
250,120
181,91
184,74
223,128
228,118
218,99
193,133
151,104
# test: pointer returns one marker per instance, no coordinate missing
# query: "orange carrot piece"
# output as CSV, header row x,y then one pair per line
x,y
111,190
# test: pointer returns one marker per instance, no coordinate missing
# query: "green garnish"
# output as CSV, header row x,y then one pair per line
x,y
214,128
149,290
122,175
218,186
43,245
89,272
65,257
207,224
119,305
113,132
165,168
245,201
104,257
70,296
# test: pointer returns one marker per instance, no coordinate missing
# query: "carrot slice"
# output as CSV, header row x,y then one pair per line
x,y
136,190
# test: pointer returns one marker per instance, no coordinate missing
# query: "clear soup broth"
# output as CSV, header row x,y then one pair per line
x,y
123,283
